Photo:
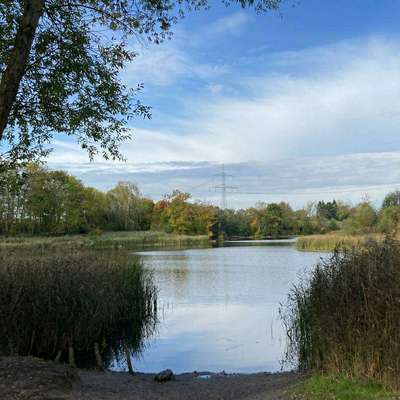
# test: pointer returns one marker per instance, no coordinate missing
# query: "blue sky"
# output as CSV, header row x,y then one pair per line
x,y
301,104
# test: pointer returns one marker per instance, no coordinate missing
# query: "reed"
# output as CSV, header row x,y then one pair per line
x,y
131,240
329,242
66,306
345,319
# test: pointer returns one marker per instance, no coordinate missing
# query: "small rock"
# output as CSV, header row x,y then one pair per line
x,y
164,376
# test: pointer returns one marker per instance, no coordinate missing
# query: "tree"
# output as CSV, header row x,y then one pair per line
x,y
327,210
235,223
391,199
35,200
128,210
362,220
272,220
389,219
60,62
304,222
174,213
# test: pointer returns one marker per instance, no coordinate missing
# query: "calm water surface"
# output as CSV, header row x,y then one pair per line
x,y
219,307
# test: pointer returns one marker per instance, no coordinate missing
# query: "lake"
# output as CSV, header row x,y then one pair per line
x,y
219,307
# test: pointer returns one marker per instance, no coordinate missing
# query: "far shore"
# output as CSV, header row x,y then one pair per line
x,y
130,240
328,242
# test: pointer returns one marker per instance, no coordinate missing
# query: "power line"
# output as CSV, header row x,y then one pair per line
x,y
204,183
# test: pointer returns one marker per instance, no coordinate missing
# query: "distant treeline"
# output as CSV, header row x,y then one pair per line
x,y
38,201
279,219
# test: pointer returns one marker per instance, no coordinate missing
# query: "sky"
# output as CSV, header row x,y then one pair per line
x,y
299,105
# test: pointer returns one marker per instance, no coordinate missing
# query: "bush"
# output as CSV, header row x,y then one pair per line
x,y
346,318
53,304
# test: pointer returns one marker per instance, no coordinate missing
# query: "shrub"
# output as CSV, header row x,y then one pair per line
x,y
346,318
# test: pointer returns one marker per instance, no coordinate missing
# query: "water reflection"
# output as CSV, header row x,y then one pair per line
x,y
220,307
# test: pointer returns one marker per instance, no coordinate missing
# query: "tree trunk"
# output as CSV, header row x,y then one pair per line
x,y
71,356
128,359
58,356
18,59
99,361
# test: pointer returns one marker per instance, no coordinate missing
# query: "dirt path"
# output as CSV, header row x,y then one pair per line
x,y
33,379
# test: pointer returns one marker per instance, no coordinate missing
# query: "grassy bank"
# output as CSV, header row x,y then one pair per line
x,y
109,240
321,387
345,319
330,241
74,306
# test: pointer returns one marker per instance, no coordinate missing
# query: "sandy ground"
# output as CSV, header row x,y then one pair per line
x,y
33,379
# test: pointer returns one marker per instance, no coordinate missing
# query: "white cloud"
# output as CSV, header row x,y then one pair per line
x,y
330,101
296,180
215,88
158,65
231,24
352,106
165,64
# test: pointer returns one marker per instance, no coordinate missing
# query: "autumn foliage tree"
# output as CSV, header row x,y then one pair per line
x,y
174,213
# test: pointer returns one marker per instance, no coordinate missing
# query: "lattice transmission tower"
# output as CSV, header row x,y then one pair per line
x,y
224,187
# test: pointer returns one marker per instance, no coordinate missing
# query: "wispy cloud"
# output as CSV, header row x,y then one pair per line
x,y
229,25
332,101
349,106
157,65
165,64
294,180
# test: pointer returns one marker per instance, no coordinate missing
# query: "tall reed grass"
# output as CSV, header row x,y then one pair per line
x,y
330,241
346,318
68,305
109,240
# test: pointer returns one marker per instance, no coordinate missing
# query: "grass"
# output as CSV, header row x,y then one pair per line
x,y
109,240
329,241
321,387
345,319
74,305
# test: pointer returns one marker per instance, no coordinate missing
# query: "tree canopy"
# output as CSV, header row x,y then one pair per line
x,y
391,199
60,62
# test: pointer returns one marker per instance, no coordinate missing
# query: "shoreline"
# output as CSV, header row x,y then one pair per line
x,y
121,240
33,378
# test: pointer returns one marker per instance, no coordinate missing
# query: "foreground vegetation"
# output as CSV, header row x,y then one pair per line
x,y
345,320
321,387
74,306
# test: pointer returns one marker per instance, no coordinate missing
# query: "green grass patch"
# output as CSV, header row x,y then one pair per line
x,y
320,387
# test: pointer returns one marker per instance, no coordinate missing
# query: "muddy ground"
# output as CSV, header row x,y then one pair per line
x,y
26,378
